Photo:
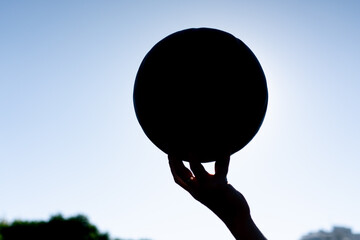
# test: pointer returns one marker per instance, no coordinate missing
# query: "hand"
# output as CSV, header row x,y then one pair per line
x,y
213,191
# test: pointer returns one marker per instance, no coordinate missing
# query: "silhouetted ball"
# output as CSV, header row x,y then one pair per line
x,y
201,92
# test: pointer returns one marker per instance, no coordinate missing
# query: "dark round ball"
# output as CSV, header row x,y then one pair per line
x,y
200,92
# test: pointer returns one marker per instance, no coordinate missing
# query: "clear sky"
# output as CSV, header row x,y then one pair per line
x,y
70,141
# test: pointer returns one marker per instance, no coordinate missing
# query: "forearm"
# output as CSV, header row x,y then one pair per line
x,y
244,230
234,211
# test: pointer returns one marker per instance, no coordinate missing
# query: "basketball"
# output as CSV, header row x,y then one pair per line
x,y
200,92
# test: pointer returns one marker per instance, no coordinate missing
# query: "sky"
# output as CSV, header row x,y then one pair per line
x,y
70,142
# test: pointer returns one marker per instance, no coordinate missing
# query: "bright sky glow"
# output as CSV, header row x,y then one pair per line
x,y
70,141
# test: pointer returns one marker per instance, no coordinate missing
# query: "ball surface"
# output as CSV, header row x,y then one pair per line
x,y
200,92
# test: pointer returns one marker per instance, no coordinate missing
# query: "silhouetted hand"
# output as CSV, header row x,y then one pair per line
x,y
213,191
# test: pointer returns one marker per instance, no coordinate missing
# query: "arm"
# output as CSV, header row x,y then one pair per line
x,y
215,193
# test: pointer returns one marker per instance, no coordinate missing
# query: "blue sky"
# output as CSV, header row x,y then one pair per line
x,y
70,141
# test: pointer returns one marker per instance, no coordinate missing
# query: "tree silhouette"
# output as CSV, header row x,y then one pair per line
x,y
57,228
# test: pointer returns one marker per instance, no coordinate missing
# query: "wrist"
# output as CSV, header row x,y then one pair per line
x,y
230,206
234,211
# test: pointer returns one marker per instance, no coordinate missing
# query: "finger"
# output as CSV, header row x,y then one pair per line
x,y
181,183
182,176
222,166
198,169
178,167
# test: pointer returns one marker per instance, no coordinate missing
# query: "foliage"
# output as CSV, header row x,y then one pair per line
x,y
57,228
